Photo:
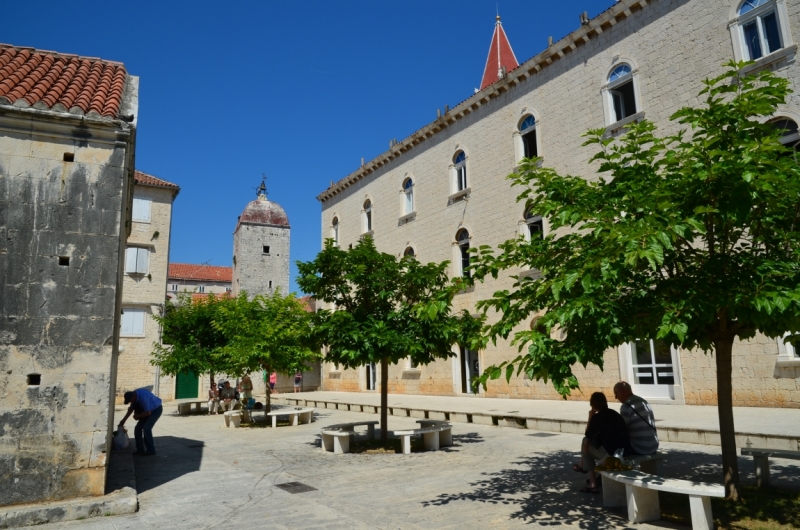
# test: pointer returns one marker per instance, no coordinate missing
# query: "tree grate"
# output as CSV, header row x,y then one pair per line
x,y
295,487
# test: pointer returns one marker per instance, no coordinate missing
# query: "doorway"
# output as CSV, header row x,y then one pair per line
x,y
372,376
186,385
470,367
652,368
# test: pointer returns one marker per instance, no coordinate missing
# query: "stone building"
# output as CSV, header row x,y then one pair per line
x,y
197,279
146,263
443,189
67,144
261,248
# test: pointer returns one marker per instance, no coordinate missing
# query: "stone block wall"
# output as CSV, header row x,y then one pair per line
x,y
672,45
253,270
61,237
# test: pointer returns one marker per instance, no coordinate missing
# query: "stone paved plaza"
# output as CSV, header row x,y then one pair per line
x,y
209,476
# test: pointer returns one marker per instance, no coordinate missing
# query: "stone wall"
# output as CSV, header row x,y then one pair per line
x,y
672,45
61,237
145,291
253,270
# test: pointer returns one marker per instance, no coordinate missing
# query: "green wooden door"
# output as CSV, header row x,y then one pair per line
x,y
186,385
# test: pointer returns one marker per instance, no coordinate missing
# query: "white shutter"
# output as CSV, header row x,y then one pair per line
x,y
130,259
141,209
409,201
126,328
137,323
142,258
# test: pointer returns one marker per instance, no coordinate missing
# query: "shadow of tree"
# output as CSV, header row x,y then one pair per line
x,y
468,438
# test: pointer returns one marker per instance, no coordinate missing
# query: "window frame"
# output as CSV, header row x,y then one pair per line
x,y
519,136
788,354
461,254
141,202
335,230
366,216
459,172
406,252
741,51
407,196
137,261
608,92
131,310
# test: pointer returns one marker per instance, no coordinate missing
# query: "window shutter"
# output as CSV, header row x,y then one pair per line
x,y
130,259
141,209
137,323
127,322
142,258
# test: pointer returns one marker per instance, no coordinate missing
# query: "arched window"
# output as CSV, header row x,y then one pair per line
x,y
759,29
535,225
789,136
409,252
527,128
408,192
460,163
621,91
335,231
462,239
367,216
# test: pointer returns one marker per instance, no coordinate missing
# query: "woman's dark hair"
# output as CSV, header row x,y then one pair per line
x,y
598,401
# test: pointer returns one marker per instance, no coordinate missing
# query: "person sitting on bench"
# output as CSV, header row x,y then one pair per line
x,y
606,433
639,418
227,398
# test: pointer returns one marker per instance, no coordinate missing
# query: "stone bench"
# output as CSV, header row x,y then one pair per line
x,y
297,415
653,464
761,461
185,405
435,434
336,438
639,491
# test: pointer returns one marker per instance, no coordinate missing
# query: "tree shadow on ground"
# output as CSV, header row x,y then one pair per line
x,y
468,438
174,458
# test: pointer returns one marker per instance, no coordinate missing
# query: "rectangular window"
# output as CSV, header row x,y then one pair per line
x,y
461,175
201,288
761,35
141,210
174,287
132,322
265,249
624,101
136,260
529,142
771,33
270,284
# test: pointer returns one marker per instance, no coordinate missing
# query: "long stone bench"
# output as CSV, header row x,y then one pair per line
x,y
297,415
184,405
336,438
761,461
435,434
639,491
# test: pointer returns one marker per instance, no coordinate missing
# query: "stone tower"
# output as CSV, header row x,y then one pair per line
x,y
261,248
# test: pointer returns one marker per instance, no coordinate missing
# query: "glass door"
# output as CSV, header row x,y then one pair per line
x,y
470,367
371,376
652,367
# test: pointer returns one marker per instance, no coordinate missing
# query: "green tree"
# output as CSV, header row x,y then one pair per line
x,y
692,239
266,333
385,310
190,341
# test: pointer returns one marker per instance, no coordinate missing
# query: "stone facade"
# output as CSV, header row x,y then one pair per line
x,y
671,46
261,249
143,293
65,197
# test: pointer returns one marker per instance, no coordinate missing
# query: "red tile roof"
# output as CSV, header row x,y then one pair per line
x,y
60,82
143,179
202,297
208,273
309,303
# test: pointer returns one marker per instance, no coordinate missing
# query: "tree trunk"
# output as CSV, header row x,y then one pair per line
x,y
730,463
268,406
211,379
384,399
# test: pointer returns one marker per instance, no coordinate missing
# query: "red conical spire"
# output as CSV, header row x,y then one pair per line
x,y
501,57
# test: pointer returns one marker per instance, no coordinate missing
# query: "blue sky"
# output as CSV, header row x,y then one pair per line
x,y
297,90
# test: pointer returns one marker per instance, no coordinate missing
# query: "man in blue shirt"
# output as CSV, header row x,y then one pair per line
x,y
146,409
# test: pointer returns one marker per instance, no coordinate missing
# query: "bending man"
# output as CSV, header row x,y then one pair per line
x,y
146,409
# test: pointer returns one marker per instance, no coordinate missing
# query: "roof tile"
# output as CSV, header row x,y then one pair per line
x,y
209,273
144,179
77,84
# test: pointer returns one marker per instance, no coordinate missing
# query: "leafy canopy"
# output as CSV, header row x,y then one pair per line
x,y
385,308
691,238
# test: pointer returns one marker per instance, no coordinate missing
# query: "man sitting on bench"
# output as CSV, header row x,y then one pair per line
x,y
606,433
227,398
639,418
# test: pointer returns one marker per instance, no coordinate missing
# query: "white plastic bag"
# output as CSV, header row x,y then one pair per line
x,y
121,440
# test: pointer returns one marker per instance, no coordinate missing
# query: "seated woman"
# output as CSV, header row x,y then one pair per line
x,y
213,399
606,433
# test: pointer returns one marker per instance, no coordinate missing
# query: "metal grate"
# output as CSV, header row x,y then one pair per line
x,y
543,434
295,487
